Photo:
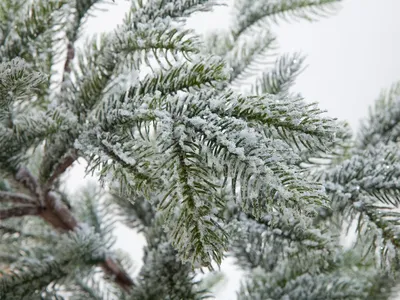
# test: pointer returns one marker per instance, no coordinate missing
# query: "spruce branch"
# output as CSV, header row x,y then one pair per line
x,y
305,286
278,80
19,211
160,261
57,214
82,248
61,167
17,80
60,217
30,29
37,16
249,56
142,11
26,178
135,212
15,198
196,234
162,42
204,72
80,10
382,125
369,176
294,120
278,236
254,15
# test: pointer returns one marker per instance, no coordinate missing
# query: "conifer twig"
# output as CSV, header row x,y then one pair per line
x,y
61,168
70,57
120,276
19,211
25,177
60,217
15,198
55,212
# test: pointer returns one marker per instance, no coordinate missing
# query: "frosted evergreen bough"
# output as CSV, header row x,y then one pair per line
x,y
197,167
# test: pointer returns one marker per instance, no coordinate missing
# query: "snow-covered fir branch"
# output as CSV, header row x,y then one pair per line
x,y
200,169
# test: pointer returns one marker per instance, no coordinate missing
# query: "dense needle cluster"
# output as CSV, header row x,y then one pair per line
x,y
199,168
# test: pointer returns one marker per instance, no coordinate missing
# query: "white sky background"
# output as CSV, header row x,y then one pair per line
x,y
350,57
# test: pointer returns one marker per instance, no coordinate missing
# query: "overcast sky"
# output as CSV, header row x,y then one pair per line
x,y
350,57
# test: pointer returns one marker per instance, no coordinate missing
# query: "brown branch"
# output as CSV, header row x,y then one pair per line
x,y
60,169
25,177
19,211
110,267
59,216
70,57
16,198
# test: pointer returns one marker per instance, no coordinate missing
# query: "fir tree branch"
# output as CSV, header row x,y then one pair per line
x,y
305,286
159,41
279,236
136,212
294,120
17,80
160,261
56,213
33,25
26,178
177,9
79,14
27,132
255,14
16,198
19,211
118,274
81,9
152,90
68,61
95,211
252,161
369,176
249,56
60,217
186,77
383,123
88,292
129,46
218,42
196,228
281,77
80,248
60,168
336,152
